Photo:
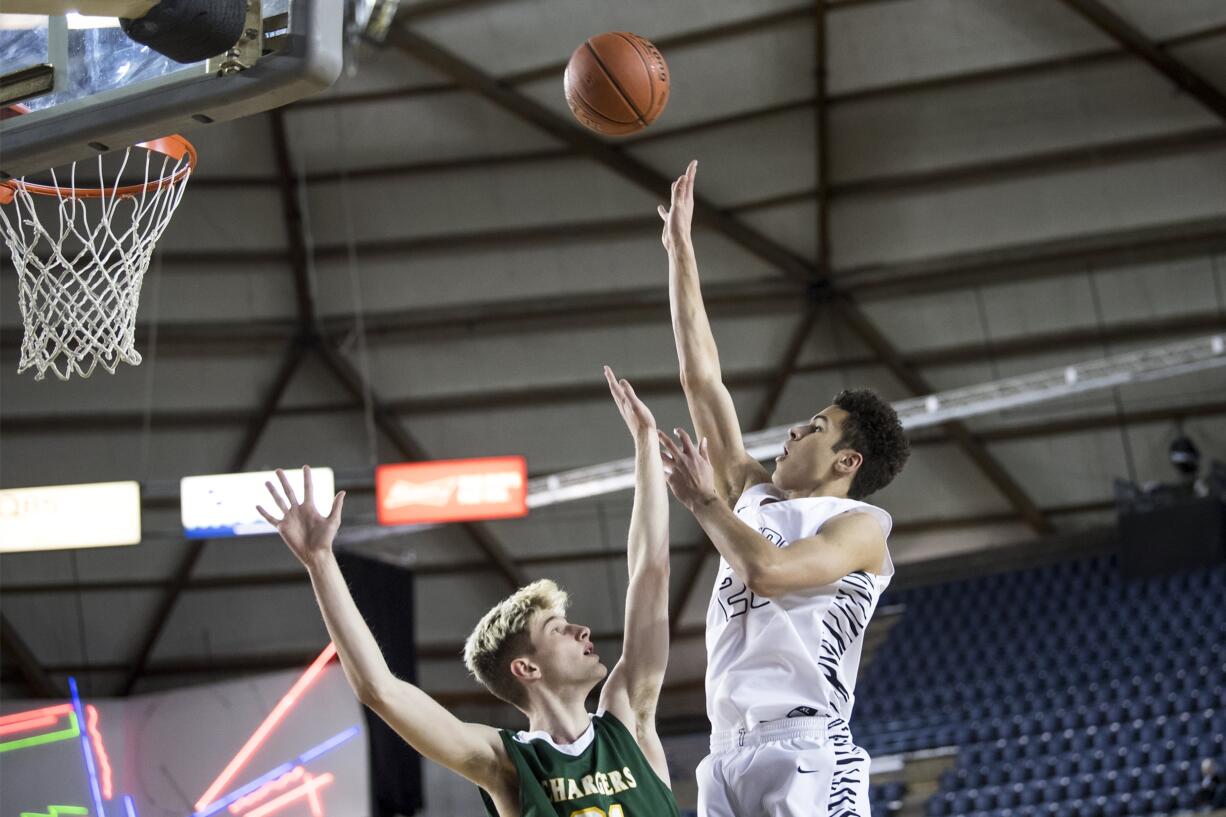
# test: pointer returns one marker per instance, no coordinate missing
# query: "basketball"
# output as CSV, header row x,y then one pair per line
x,y
616,83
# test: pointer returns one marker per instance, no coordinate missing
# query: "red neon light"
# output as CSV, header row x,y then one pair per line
x,y
451,490
259,794
32,718
32,723
309,789
264,729
104,763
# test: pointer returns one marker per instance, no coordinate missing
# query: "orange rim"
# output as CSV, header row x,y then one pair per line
x,y
173,146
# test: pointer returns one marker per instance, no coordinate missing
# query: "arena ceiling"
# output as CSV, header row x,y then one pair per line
x,y
432,260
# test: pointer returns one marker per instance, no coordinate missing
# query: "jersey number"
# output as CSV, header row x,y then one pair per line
x,y
740,602
614,811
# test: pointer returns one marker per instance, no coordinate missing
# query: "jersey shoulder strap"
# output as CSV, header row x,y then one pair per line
x,y
533,802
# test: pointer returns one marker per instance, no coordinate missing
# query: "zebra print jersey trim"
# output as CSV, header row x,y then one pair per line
x,y
850,766
844,621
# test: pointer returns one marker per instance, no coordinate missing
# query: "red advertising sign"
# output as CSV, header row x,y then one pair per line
x,y
452,490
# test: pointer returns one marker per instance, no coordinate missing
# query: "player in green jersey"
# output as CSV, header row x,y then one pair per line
x,y
570,762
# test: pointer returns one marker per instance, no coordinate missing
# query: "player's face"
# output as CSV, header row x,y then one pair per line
x,y
809,456
565,653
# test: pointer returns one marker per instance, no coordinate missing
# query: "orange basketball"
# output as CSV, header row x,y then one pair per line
x,y
616,83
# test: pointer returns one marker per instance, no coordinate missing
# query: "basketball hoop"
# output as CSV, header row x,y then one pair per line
x,y
81,265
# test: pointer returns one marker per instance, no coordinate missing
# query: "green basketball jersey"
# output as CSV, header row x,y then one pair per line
x,y
609,778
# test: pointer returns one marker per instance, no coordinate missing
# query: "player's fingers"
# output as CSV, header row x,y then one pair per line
x,y
669,446
663,213
338,502
704,450
276,497
308,492
290,496
687,445
269,518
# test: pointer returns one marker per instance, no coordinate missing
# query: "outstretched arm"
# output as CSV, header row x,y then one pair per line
x,y
710,403
472,750
633,688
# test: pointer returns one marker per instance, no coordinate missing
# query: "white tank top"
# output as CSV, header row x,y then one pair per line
x,y
796,654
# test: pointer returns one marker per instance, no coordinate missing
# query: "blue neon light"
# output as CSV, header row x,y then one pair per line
x,y
335,740
129,806
219,804
310,754
89,750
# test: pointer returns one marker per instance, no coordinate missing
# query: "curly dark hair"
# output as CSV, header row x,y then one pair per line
x,y
872,428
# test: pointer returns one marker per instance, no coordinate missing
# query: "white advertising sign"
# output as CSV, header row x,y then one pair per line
x,y
54,517
221,505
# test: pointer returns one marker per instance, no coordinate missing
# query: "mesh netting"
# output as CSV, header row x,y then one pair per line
x,y
81,257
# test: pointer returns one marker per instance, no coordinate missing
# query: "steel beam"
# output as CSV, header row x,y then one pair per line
x,y
31,670
1158,58
1024,346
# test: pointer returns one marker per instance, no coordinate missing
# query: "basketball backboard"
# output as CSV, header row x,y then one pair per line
x,y
87,88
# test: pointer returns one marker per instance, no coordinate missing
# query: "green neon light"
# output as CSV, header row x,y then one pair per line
x,y
48,737
56,811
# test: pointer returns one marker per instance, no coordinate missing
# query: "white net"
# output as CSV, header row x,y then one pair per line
x,y
81,256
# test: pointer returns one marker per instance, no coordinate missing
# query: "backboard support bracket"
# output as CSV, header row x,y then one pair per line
x,y
244,53
273,64
31,81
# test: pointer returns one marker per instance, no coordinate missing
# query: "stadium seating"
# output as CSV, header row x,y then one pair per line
x,y
1068,690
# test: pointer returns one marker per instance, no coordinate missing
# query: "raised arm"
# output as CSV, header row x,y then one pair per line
x,y
710,403
472,750
633,688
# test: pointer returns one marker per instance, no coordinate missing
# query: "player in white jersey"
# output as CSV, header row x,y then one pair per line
x,y
803,564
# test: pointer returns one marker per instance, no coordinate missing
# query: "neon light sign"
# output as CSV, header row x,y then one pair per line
x,y
104,762
264,729
91,744
86,748
309,788
285,768
32,719
250,800
247,801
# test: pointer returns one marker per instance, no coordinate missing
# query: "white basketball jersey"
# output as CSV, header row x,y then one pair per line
x,y
796,654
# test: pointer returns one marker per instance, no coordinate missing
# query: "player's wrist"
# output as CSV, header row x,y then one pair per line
x,y
319,559
704,502
680,240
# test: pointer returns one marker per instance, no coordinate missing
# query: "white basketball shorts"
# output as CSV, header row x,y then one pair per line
x,y
796,767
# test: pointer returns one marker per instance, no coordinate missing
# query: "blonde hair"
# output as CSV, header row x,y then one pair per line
x,y
502,634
